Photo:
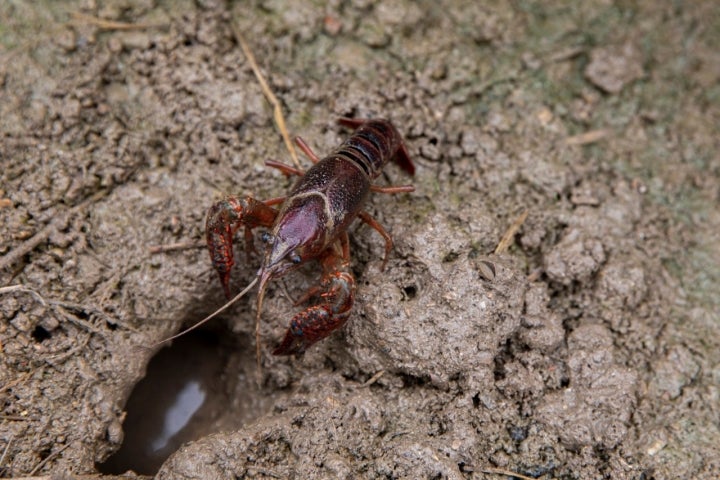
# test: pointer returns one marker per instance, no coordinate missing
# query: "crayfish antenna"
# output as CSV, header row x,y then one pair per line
x,y
212,315
264,275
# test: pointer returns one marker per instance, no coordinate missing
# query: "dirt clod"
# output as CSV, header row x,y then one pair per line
x,y
611,68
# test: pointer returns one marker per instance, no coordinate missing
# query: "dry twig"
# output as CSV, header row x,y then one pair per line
x,y
14,418
509,236
85,19
502,471
374,378
64,308
24,289
19,380
7,447
277,110
47,459
173,247
588,137
60,219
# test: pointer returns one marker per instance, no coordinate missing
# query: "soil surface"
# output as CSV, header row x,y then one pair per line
x,y
589,349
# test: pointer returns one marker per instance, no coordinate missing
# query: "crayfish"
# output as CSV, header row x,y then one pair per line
x,y
311,224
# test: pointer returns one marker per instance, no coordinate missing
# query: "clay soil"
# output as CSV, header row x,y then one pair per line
x,y
590,348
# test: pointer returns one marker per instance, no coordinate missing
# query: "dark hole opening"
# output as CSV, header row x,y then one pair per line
x,y
39,334
450,257
197,386
410,291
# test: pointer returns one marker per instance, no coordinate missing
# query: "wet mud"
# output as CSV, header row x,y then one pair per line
x,y
587,349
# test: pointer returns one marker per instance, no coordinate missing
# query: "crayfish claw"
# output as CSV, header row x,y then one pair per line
x,y
319,321
307,327
223,220
219,240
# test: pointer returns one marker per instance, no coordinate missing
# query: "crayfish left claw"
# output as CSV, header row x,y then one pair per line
x,y
223,219
319,321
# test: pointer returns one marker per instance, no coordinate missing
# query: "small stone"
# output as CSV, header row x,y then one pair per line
x,y
49,323
66,39
332,25
115,432
574,259
135,40
612,68
114,45
71,109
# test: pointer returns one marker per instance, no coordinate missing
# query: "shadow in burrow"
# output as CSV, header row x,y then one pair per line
x,y
201,383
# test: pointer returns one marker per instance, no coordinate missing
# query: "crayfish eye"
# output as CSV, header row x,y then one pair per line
x,y
266,237
295,258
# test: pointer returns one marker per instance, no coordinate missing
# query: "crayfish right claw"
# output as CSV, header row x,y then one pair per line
x,y
319,321
308,327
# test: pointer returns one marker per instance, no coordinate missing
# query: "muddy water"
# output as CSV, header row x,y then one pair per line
x,y
193,388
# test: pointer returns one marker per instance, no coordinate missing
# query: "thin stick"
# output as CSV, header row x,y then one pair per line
x,y
172,247
7,447
502,471
509,236
277,110
82,18
31,243
374,378
212,315
91,309
46,231
22,288
268,473
16,418
588,137
18,381
49,457
81,323
62,308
